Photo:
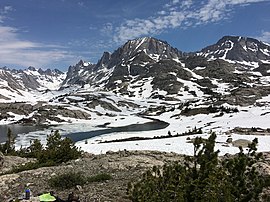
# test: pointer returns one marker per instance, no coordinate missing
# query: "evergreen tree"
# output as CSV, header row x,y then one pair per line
x,y
59,150
9,146
35,149
202,177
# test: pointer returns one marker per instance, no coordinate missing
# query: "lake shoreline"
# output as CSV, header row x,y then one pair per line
x,y
154,125
17,129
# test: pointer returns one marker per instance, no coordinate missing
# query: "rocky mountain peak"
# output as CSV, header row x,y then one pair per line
x,y
146,47
82,63
104,60
32,68
49,72
74,73
248,51
14,82
156,49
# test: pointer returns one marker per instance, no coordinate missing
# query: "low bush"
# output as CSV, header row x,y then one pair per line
x,y
71,179
29,166
99,177
67,180
203,177
56,151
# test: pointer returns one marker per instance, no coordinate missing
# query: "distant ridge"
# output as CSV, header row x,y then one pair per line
x,y
147,59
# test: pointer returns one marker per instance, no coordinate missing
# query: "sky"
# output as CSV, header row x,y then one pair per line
x,y
59,33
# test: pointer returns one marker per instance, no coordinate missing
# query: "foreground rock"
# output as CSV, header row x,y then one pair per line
x,y
8,162
123,166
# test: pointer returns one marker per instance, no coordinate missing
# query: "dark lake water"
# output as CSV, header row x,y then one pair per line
x,y
16,129
154,125
79,136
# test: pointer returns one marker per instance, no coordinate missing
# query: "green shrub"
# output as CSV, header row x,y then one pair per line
x,y
67,180
29,166
57,151
99,177
202,177
71,179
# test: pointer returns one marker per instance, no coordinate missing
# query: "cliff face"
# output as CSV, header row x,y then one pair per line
x,y
236,48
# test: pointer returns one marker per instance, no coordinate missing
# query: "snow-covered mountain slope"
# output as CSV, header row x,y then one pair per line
x,y
150,68
18,85
147,78
128,61
151,47
243,50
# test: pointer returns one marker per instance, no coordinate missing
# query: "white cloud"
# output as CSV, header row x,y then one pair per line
x,y
7,9
7,33
186,3
107,29
235,2
15,51
216,10
4,11
138,27
213,11
265,37
25,58
162,12
179,14
80,3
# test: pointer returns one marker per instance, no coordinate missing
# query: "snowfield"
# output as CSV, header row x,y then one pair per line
x,y
247,117
180,144
224,92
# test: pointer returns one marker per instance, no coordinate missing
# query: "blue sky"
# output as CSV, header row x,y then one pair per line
x,y
58,33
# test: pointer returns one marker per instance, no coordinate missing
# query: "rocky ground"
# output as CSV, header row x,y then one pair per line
x,y
123,166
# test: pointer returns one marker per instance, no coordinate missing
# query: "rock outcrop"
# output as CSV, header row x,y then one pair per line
x,y
123,166
236,48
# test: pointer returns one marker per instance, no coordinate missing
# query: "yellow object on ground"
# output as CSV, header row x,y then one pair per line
x,y
46,197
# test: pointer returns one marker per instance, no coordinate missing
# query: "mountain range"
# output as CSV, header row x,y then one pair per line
x,y
143,77
143,57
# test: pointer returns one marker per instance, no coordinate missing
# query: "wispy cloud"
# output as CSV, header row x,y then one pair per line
x,y
107,29
23,53
26,53
265,36
3,11
92,48
7,9
179,14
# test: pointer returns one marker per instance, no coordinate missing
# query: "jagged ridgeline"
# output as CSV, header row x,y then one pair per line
x,y
148,59
224,87
230,71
